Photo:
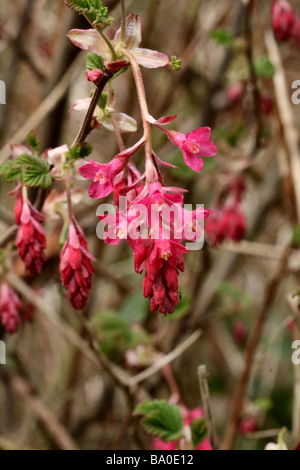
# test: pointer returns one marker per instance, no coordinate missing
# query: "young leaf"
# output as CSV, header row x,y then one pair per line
x,y
161,419
29,161
264,67
222,37
5,167
103,100
13,175
94,11
33,142
94,61
80,151
198,430
33,178
122,70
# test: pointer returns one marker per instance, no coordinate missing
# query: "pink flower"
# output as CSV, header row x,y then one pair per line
x,y
194,145
104,174
31,238
90,40
10,306
75,266
94,75
239,331
282,19
226,223
248,425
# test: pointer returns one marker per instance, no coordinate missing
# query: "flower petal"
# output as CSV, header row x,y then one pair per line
x,y
89,170
81,104
124,122
98,190
162,121
89,40
193,160
150,59
133,32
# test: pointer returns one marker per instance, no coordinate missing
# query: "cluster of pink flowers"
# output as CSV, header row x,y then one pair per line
x,y
75,266
157,251
228,220
10,309
31,238
188,417
286,24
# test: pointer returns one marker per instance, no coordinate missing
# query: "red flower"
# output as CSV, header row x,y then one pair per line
x,y
75,266
248,425
226,223
31,238
94,75
282,19
162,259
10,305
296,30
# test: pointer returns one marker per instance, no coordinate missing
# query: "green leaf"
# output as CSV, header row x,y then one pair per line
x,y
5,167
296,236
94,61
161,419
175,64
222,37
28,161
13,175
80,151
33,142
264,67
135,308
33,178
119,72
264,404
103,100
93,10
198,430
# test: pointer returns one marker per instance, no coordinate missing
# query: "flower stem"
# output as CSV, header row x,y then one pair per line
x,y
86,125
109,43
142,100
68,191
123,20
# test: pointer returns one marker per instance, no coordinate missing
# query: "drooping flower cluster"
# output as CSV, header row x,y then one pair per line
x,y
10,306
227,221
285,23
188,417
31,238
75,266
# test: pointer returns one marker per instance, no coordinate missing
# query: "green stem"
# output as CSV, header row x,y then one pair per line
x,y
123,20
69,196
109,43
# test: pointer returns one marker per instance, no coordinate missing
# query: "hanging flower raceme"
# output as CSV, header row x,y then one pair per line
x,y
10,306
282,19
75,266
228,221
31,238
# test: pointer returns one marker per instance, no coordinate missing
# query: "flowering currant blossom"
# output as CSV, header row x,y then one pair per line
x,y
107,116
228,221
10,306
104,174
282,19
90,40
188,417
194,145
75,266
31,238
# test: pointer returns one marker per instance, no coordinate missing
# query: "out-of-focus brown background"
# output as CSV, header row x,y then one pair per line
x,y
48,380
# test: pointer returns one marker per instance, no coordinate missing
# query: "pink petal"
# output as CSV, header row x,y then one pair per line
x,y
81,104
18,149
133,32
150,59
163,120
163,163
192,160
199,135
90,170
89,40
98,190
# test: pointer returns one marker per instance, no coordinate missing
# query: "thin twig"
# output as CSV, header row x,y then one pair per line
x,y
58,433
166,359
238,398
202,376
